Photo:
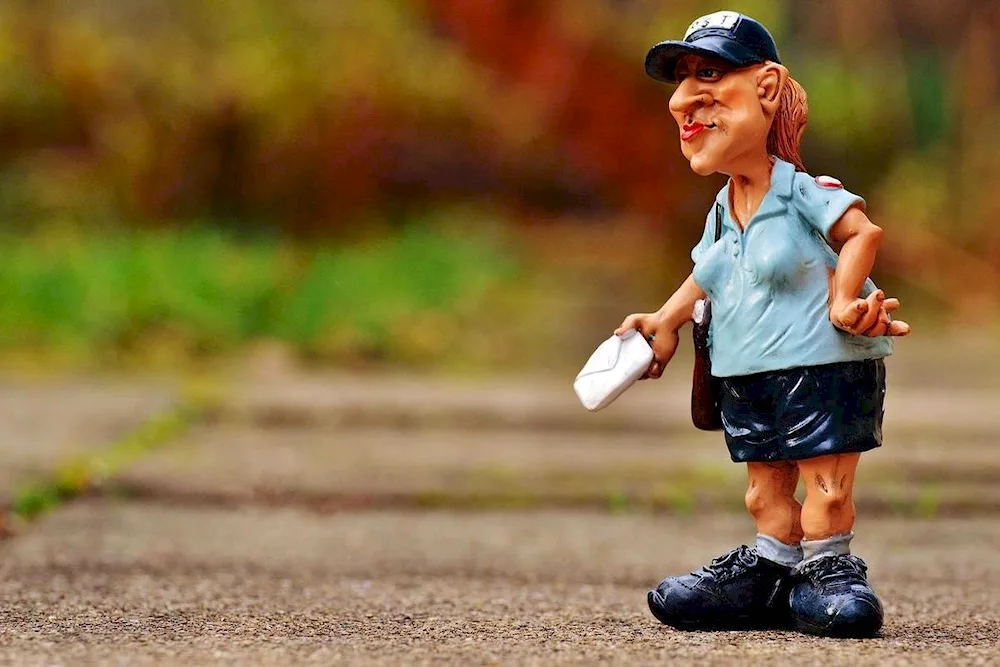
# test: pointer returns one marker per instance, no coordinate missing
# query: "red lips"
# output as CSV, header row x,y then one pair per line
x,y
692,130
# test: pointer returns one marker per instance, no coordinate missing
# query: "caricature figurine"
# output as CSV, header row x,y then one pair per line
x,y
797,338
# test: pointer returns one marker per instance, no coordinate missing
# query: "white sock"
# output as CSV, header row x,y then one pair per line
x,y
836,545
777,551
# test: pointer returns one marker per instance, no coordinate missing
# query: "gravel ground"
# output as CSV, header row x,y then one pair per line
x,y
206,574
109,583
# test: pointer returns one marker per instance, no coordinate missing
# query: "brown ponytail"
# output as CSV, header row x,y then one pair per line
x,y
789,123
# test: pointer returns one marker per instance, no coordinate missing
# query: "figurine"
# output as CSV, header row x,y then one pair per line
x,y
797,339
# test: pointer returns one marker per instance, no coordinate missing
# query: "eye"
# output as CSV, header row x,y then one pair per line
x,y
709,73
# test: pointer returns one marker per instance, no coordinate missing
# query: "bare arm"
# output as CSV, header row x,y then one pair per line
x,y
663,325
678,308
868,317
860,238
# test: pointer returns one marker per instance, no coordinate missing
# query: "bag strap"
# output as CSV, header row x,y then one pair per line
x,y
718,222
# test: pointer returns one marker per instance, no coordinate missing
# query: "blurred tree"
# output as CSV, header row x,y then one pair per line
x,y
306,114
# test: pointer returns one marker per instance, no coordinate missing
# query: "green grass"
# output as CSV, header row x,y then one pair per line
x,y
79,476
91,472
117,298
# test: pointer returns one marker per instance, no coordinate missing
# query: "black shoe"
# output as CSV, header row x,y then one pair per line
x,y
831,597
736,591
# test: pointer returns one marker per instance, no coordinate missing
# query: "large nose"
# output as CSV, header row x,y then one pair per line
x,y
690,95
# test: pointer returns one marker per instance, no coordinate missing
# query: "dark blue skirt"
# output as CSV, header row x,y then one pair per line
x,y
804,412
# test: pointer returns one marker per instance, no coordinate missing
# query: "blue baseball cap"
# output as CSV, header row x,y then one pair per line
x,y
729,36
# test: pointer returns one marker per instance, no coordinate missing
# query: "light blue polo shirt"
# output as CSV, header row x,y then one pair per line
x,y
770,283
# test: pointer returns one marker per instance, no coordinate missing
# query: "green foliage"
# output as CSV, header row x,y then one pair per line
x,y
34,500
840,96
302,115
368,298
200,294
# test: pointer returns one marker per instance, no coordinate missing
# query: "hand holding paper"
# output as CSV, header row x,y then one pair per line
x,y
614,366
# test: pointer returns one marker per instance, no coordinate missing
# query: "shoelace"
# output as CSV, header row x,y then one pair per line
x,y
740,558
833,568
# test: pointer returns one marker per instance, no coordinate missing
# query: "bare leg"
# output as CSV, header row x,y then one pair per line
x,y
829,506
831,595
771,500
747,587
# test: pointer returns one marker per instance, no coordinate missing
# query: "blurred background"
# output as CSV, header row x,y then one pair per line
x,y
441,184
293,293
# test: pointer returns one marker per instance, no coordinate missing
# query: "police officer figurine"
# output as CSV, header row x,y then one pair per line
x,y
797,339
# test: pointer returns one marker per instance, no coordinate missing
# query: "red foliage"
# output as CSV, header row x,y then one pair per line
x,y
606,115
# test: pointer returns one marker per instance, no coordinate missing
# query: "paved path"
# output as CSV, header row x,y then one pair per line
x,y
110,583
932,382
45,424
542,403
324,466
335,441
298,526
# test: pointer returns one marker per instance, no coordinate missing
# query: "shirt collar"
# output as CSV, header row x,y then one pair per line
x,y
776,200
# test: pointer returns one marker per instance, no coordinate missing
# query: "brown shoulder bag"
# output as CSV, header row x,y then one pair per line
x,y
706,408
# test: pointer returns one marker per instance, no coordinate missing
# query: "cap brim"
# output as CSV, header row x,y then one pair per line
x,y
661,61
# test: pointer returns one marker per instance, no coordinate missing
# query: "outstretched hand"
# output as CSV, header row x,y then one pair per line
x,y
868,317
661,338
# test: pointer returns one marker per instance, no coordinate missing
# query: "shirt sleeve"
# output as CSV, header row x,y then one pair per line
x,y
707,237
822,201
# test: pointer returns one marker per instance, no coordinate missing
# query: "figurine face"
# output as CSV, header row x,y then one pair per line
x,y
719,112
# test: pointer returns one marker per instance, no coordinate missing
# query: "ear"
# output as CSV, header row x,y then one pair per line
x,y
771,78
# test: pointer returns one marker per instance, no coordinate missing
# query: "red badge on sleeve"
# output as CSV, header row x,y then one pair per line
x,y
828,182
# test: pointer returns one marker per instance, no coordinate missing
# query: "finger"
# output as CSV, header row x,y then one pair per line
x,y
630,322
654,371
852,313
625,326
880,327
898,328
873,312
890,304
661,350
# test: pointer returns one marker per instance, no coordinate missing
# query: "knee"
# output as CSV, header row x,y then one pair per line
x,y
754,500
760,501
772,489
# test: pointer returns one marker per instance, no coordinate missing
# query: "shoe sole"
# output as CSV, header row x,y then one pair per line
x,y
740,623
867,630
847,632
